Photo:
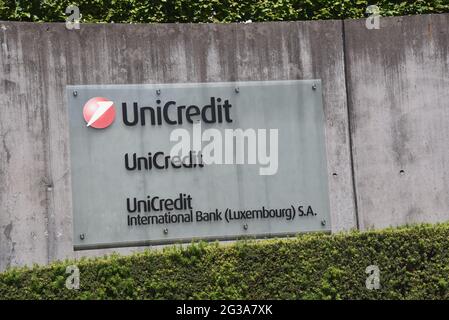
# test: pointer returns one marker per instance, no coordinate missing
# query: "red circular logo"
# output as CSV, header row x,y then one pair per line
x,y
99,112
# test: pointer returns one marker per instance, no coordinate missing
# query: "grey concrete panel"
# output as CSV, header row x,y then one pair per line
x,y
38,60
398,80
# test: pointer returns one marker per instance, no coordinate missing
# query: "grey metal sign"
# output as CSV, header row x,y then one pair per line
x,y
256,167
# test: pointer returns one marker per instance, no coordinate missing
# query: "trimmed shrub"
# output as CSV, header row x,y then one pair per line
x,y
137,11
413,264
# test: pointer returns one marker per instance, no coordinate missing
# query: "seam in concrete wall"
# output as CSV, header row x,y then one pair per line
x,y
349,108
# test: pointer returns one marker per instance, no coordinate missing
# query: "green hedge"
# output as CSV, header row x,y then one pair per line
x,y
413,263
129,11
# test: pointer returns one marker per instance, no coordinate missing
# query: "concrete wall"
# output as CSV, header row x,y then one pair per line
x,y
397,98
398,85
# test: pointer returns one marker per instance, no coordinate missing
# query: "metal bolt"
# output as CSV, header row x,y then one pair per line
x,y
158,92
75,93
82,236
314,86
323,222
245,226
165,230
237,90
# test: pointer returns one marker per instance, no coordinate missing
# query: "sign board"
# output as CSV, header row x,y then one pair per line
x,y
256,164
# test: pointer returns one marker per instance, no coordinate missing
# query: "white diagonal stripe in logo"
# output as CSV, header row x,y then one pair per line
x,y
103,106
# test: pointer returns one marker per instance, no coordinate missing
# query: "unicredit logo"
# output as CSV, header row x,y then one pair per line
x,y
99,113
